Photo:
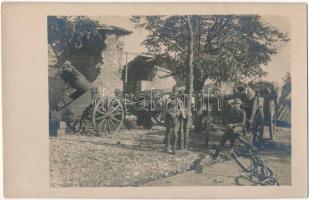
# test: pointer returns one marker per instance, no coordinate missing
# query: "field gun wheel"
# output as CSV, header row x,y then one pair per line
x,y
258,130
107,115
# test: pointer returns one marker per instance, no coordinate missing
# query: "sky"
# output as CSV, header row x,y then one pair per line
x,y
276,69
281,62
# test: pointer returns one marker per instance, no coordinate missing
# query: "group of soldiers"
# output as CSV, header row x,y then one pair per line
x,y
240,112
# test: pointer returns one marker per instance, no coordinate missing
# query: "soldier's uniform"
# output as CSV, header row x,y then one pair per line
x,y
173,114
234,121
253,106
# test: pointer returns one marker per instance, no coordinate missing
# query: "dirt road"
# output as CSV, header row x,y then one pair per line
x,y
277,156
138,158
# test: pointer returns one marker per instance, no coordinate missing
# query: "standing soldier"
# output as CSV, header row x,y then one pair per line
x,y
234,121
174,115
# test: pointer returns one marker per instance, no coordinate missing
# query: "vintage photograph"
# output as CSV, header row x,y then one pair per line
x,y
169,100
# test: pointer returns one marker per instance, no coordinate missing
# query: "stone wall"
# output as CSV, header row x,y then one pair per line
x,y
109,78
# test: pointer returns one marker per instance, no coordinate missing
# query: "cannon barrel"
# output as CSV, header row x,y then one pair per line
x,y
74,78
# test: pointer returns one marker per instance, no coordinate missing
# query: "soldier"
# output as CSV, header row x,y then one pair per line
x,y
253,106
174,114
234,121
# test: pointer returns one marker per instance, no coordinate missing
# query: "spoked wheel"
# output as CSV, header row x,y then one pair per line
x,y
272,119
258,131
108,115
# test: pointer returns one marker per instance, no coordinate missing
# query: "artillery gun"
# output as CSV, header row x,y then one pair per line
x,y
268,95
83,105
211,109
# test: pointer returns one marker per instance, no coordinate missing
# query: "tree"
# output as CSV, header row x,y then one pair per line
x,y
78,41
177,53
189,79
226,47
217,47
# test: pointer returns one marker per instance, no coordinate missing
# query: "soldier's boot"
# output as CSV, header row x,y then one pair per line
x,y
221,144
261,139
217,152
175,142
181,139
182,147
255,143
174,148
168,143
215,156
180,142
186,145
186,141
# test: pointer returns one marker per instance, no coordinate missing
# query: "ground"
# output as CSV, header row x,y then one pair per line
x,y
137,157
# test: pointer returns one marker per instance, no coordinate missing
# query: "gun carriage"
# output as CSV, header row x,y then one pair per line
x,y
270,106
269,96
210,110
84,108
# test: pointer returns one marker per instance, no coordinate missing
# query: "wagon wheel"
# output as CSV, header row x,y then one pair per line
x,y
272,119
108,115
257,131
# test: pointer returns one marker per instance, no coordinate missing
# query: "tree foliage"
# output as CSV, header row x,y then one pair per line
x,y
76,37
77,40
226,47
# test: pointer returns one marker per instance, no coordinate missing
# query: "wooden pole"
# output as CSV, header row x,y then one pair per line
x,y
126,77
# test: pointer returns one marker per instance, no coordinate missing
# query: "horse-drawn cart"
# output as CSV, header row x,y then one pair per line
x,y
147,106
